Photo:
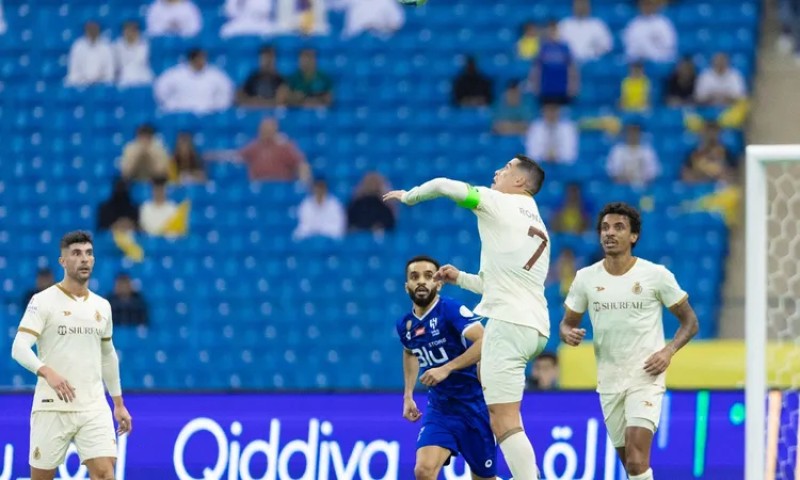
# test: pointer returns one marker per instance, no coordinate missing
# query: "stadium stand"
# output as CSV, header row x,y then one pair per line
x,y
237,303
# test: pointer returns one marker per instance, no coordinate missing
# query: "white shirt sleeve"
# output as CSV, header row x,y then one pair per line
x,y
568,143
165,86
157,22
233,8
107,63
303,220
35,317
338,219
576,298
75,74
669,40
738,88
605,42
470,281
651,164
669,292
438,187
110,367
615,161
705,87
22,352
192,22
535,141
223,91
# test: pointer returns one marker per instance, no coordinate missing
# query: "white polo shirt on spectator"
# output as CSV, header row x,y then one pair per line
x,y
184,89
588,37
132,63
650,37
90,62
633,164
180,18
712,86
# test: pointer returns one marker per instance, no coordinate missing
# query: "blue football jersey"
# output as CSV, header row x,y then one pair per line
x,y
437,338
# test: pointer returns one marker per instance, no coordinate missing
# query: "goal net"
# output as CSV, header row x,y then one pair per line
x,y
772,312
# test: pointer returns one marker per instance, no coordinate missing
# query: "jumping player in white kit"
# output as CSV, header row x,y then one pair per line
x,y
72,327
515,257
624,296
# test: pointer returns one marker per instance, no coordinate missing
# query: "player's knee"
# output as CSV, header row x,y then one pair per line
x,y
102,474
425,471
636,464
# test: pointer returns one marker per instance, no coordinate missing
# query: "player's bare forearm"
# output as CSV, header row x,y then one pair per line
x,y
470,357
410,373
689,325
569,330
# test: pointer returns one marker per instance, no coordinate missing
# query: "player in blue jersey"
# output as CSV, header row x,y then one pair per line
x,y
435,336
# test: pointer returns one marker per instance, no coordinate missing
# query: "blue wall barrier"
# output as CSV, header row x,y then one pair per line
x,y
266,436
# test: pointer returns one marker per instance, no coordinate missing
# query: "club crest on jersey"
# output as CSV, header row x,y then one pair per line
x,y
433,323
37,454
97,315
408,324
419,331
637,289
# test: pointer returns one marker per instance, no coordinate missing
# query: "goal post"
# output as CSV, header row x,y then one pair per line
x,y
772,285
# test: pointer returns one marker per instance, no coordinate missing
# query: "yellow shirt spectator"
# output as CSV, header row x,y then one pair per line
x,y
528,43
635,91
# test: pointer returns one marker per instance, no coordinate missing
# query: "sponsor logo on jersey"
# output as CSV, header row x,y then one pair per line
x,y
37,454
637,289
603,306
419,331
600,289
47,400
465,312
65,330
67,313
648,404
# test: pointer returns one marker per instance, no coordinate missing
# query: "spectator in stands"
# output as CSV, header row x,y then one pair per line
x,y
552,139
186,165
118,212
367,210
511,114
128,306
554,76
308,87
309,17
264,87
562,272
650,36
574,215
155,214
144,157
635,89
379,17
471,88
248,17
679,90
588,37
710,161
320,214
632,162
173,18
273,156
528,43
720,85
194,87
44,280
132,57
91,60
544,373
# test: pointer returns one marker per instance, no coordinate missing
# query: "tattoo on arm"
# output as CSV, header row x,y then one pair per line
x,y
684,312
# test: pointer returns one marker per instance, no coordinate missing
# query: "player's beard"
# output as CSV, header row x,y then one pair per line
x,y
423,301
79,276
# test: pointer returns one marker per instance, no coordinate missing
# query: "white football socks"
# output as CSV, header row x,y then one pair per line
x,y
520,457
648,475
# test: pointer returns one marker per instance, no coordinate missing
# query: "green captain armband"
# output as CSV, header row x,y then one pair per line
x,y
472,200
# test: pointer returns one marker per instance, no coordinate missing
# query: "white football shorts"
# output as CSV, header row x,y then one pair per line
x,y
52,431
635,407
506,350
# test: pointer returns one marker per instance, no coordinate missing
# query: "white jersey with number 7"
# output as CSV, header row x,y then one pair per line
x,y
515,258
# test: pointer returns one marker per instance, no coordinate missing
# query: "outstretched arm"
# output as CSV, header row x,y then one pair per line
x,y
457,191
467,281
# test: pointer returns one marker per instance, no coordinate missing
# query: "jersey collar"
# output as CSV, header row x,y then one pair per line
x,y
429,310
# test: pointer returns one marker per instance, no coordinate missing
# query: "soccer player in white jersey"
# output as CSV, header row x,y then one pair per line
x,y
72,327
624,296
515,257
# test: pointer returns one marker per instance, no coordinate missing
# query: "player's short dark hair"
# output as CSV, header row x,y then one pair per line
x,y
422,258
533,171
266,49
548,356
622,208
77,236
